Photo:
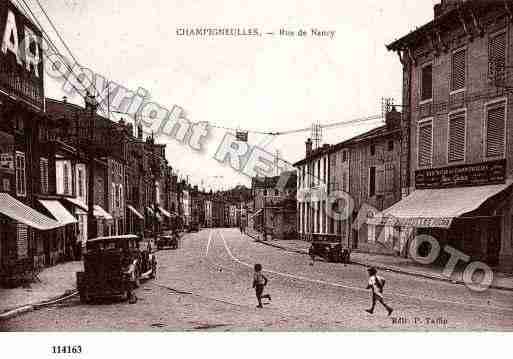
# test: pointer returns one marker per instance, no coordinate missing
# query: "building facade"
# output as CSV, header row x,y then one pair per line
x,y
457,144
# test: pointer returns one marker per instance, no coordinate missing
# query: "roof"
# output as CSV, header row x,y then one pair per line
x,y
380,131
20,212
446,19
436,207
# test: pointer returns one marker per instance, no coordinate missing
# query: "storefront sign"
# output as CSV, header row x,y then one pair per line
x,y
21,57
418,222
486,173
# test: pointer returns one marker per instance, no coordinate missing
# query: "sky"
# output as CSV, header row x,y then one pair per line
x,y
268,83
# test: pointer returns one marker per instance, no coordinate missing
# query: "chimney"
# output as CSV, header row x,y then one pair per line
x,y
308,144
393,119
445,6
65,99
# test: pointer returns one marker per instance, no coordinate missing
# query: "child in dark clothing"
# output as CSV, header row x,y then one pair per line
x,y
376,284
259,282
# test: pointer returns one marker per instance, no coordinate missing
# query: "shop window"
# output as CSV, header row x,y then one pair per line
x,y
371,233
43,164
456,145
22,240
425,143
427,83
458,70
21,179
495,129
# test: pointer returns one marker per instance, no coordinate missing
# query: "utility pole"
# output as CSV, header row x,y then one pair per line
x,y
91,106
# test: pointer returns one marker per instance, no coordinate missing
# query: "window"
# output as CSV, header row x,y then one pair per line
x,y
495,129
390,145
372,181
427,83
458,70
21,179
456,145
372,149
344,156
276,193
66,179
425,143
43,165
497,56
113,197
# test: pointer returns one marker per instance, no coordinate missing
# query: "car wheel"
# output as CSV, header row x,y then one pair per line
x,y
84,298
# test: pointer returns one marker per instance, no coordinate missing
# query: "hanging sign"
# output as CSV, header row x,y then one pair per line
x,y
21,57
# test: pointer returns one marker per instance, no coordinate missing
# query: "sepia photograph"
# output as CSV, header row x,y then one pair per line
x,y
240,166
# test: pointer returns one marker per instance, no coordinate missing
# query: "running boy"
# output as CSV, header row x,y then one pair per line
x,y
376,284
259,282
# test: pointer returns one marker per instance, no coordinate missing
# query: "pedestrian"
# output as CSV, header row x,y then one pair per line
x,y
259,283
311,252
376,284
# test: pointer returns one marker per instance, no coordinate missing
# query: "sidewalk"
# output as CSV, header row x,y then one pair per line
x,y
394,264
54,282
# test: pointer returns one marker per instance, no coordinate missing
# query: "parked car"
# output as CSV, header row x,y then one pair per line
x,y
168,239
331,252
113,266
194,227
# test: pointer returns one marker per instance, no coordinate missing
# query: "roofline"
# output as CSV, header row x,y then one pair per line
x,y
352,141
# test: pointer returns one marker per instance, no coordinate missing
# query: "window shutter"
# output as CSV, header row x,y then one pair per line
x,y
427,82
458,70
456,137
380,179
22,240
497,55
495,126
425,143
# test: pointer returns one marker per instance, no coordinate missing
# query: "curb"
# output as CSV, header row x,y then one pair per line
x,y
386,268
30,307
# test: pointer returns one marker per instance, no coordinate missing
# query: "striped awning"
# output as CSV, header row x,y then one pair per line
x,y
134,211
98,210
22,213
164,212
58,212
101,213
78,203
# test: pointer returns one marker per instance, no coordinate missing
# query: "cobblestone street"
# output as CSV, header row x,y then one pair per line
x,y
206,285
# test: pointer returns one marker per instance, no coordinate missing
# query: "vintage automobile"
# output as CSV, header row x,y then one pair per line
x,y
113,266
330,251
169,239
194,227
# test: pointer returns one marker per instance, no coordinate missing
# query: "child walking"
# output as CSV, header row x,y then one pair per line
x,y
376,284
259,283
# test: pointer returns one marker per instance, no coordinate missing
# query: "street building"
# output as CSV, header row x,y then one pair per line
x,y
457,147
275,205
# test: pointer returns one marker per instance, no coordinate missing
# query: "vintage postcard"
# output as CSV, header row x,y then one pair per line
x,y
237,166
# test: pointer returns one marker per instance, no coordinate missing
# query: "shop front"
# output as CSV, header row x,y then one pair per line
x,y
466,207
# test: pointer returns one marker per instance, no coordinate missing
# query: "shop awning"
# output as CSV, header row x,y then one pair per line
x,y
78,203
20,212
58,212
164,212
101,213
98,210
134,211
429,208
